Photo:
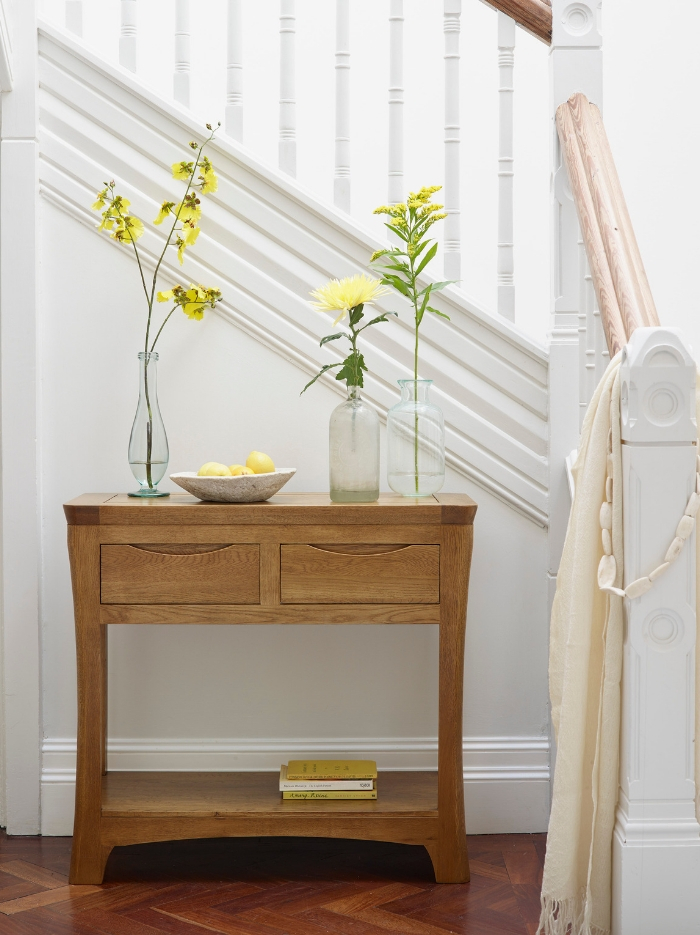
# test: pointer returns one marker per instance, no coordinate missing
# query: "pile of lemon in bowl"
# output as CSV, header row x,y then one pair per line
x,y
256,463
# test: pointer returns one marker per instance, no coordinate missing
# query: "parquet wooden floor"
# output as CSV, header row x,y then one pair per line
x,y
271,886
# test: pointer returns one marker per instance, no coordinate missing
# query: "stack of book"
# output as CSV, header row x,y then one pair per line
x,y
329,779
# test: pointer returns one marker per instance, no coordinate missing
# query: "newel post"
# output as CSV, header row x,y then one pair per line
x,y
656,843
576,64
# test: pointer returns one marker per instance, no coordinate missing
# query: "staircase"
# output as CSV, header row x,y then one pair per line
x,y
266,242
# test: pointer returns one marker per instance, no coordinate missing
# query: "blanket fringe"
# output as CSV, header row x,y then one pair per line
x,y
566,917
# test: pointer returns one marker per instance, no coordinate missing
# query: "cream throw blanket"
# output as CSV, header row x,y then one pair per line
x,y
585,669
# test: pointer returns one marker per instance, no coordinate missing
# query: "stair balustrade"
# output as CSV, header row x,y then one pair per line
x,y
137,31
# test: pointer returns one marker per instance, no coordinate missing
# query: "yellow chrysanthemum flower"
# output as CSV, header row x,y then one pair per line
x,y
164,212
182,170
342,295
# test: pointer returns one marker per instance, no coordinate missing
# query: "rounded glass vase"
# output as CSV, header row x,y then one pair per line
x,y
148,445
415,432
353,437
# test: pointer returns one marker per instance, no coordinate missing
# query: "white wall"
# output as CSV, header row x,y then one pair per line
x,y
652,75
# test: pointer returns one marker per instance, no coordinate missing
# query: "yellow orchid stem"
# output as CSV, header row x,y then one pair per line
x,y
172,229
165,321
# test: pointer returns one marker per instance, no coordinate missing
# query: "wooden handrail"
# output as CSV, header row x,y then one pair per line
x,y
533,15
617,270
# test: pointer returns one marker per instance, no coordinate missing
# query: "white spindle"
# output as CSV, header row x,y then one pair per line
x,y
287,140
341,181
396,192
127,36
234,72
74,16
656,843
452,244
506,61
181,76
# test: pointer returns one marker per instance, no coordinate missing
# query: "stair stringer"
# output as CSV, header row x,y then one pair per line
x,y
266,242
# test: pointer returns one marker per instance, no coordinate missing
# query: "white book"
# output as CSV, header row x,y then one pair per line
x,y
322,785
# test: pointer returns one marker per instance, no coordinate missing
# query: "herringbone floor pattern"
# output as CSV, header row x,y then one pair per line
x,y
271,886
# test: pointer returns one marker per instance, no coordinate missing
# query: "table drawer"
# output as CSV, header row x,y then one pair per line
x,y
180,574
360,574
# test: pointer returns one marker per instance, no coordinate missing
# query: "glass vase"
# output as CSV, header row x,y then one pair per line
x,y
353,435
148,445
415,442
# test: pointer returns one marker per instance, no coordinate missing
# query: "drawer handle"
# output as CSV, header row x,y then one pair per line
x,y
374,549
184,549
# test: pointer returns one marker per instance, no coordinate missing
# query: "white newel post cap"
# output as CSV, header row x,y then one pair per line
x,y
657,388
577,24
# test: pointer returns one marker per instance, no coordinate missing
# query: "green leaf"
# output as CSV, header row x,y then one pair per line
x,y
427,258
320,373
439,286
356,315
332,337
399,267
400,233
398,284
376,321
421,311
441,314
420,248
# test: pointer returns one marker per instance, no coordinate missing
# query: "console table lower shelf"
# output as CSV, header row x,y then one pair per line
x,y
138,807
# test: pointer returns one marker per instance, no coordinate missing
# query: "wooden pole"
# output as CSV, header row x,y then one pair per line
x,y
613,323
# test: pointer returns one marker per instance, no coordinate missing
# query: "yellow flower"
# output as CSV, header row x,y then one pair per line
x,y
100,203
128,229
196,301
182,170
210,183
189,210
107,223
190,232
165,296
342,295
164,211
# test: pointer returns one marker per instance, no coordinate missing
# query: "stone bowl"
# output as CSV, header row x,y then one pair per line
x,y
245,488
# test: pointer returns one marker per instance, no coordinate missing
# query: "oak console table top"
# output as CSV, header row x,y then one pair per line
x,y
297,558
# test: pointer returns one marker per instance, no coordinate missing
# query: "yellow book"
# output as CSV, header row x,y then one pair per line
x,y
331,769
369,794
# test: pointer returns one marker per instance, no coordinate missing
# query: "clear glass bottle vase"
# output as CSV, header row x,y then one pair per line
x,y
415,442
148,445
353,436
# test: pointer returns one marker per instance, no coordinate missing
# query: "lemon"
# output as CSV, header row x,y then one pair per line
x,y
238,469
260,463
213,469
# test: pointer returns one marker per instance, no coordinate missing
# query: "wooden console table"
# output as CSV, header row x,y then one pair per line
x,y
298,558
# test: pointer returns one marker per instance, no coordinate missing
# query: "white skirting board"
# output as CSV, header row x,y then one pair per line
x,y
506,779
